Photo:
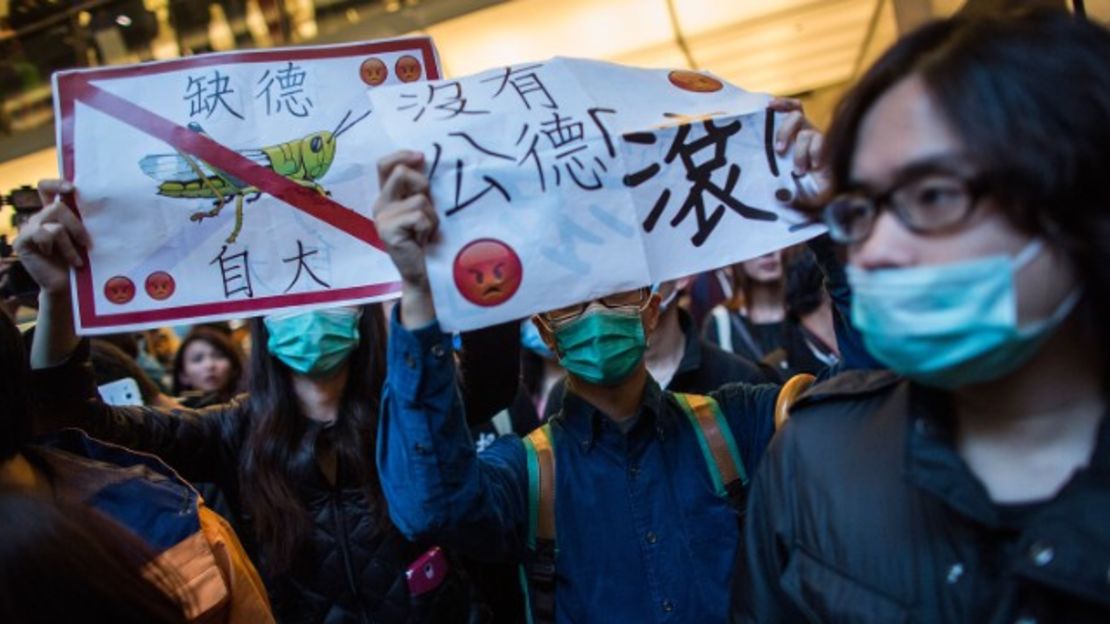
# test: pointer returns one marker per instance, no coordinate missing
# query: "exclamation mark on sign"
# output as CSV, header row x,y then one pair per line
x,y
783,195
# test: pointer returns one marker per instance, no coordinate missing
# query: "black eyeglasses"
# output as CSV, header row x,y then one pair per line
x,y
927,204
630,299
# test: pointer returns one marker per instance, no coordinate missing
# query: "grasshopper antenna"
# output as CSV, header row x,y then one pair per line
x,y
340,124
340,129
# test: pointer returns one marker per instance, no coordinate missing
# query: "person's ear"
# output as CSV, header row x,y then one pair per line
x,y
650,315
546,334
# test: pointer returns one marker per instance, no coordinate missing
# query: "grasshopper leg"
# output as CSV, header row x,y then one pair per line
x,y
238,219
200,216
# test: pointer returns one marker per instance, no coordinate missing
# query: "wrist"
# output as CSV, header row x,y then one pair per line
x,y
417,308
54,298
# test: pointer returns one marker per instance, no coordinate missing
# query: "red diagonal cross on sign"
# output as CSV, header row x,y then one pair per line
x,y
266,180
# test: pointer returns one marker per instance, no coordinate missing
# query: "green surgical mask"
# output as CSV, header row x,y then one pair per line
x,y
314,343
602,346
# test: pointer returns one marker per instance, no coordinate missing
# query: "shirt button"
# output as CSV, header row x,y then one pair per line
x,y
438,350
410,361
667,606
1025,619
955,572
651,537
1041,554
634,470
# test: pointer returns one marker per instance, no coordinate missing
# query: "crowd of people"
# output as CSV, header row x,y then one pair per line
x,y
902,420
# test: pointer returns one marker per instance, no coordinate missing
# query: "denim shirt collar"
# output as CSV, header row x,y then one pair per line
x,y
584,421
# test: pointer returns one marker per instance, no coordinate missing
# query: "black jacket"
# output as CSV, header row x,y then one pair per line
x,y
352,568
862,512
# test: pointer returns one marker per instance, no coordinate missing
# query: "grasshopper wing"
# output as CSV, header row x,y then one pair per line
x,y
179,168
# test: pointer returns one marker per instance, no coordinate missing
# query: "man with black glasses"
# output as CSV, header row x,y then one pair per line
x,y
971,482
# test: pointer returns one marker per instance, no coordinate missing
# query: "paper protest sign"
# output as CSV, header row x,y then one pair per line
x,y
565,180
229,185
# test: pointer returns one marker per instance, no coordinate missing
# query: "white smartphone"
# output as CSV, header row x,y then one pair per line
x,y
121,392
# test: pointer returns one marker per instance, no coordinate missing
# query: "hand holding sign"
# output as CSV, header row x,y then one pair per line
x,y
407,223
561,181
53,240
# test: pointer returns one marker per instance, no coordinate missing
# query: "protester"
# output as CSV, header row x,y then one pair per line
x,y
207,366
193,545
67,563
646,511
680,360
754,322
293,456
972,483
811,345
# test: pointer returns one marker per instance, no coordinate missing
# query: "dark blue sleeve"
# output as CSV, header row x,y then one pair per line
x,y
437,486
750,412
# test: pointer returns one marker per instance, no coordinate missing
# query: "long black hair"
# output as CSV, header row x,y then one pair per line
x,y
1029,94
280,448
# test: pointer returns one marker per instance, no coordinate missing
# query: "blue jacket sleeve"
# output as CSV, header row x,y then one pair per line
x,y
437,487
750,412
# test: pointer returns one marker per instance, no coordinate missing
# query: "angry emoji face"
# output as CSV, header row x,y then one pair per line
x,y
160,285
407,69
119,290
487,272
694,81
373,71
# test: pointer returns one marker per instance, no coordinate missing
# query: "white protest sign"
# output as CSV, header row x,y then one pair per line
x,y
229,185
562,181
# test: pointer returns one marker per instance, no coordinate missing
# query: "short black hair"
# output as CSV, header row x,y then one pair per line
x,y
1028,92
15,417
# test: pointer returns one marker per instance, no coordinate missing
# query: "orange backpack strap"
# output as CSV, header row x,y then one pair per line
x,y
537,574
789,393
718,446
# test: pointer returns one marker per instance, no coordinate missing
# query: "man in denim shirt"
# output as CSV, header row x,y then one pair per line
x,y
643,535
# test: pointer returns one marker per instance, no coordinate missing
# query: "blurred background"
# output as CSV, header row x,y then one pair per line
x,y
811,49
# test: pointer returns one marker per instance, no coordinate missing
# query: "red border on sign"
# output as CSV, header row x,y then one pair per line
x,y
73,86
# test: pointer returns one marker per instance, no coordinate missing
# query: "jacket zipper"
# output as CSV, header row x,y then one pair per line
x,y
341,534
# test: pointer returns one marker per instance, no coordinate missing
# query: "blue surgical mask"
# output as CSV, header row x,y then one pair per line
x,y
314,343
530,339
950,325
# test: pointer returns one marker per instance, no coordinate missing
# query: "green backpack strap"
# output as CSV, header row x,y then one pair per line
x,y
537,574
718,446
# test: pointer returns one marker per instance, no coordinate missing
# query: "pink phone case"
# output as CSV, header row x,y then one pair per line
x,y
427,572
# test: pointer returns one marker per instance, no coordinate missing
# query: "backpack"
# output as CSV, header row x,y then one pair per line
x,y
537,573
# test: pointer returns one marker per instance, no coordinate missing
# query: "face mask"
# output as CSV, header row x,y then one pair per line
x,y
530,339
313,343
950,325
602,346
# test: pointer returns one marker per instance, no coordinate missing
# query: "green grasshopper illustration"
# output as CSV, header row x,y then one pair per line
x,y
304,161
